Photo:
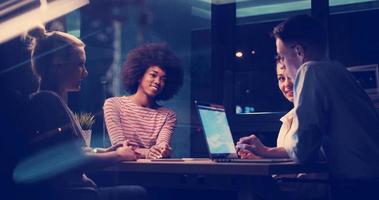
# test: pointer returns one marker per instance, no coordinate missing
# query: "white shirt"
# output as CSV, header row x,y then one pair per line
x,y
286,137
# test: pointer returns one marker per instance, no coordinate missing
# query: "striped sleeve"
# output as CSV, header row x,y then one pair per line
x,y
113,120
167,130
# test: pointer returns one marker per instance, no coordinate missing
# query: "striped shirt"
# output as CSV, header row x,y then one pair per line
x,y
143,127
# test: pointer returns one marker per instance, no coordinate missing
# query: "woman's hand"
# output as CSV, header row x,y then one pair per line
x,y
103,150
126,152
159,151
112,148
252,144
245,154
154,153
165,150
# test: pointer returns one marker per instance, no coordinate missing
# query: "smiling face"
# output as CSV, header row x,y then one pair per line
x,y
152,82
284,82
72,72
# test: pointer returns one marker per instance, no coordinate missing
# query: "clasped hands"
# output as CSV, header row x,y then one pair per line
x,y
155,152
124,150
250,147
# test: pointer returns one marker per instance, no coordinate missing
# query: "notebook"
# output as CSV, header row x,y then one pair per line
x,y
218,135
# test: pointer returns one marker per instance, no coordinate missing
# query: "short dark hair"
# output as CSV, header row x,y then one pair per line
x,y
302,29
148,55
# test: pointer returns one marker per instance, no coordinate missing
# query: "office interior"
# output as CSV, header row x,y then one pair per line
x,y
225,48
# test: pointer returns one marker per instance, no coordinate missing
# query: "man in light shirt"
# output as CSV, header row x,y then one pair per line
x,y
332,111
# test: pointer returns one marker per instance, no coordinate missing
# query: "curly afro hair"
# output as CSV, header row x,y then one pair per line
x,y
148,55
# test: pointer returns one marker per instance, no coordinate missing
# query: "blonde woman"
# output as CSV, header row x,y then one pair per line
x,y
58,61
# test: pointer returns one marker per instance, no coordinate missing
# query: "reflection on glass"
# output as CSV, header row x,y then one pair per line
x,y
18,16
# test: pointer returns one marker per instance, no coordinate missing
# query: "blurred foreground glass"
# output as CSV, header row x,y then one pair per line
x,y
19,16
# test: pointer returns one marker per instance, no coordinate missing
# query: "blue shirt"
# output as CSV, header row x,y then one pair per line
x,y
333,112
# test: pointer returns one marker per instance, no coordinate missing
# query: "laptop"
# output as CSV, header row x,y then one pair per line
x,y
218,136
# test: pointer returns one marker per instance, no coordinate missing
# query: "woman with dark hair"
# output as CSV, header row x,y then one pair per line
x,y
151,73
56,138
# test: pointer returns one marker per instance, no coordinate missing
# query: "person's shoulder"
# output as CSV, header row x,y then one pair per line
x,y
312,67
118,99
320,65
114,100
46,101
44,96
117,102
166,110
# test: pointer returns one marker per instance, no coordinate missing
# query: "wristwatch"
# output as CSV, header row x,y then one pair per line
x,y
94,150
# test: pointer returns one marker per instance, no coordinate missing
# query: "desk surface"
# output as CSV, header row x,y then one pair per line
x,y
205,166
205,174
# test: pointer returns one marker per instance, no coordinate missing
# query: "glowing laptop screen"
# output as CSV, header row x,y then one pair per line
x,y
217,130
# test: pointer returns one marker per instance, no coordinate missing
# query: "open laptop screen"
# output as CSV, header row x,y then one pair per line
x,y
217,131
